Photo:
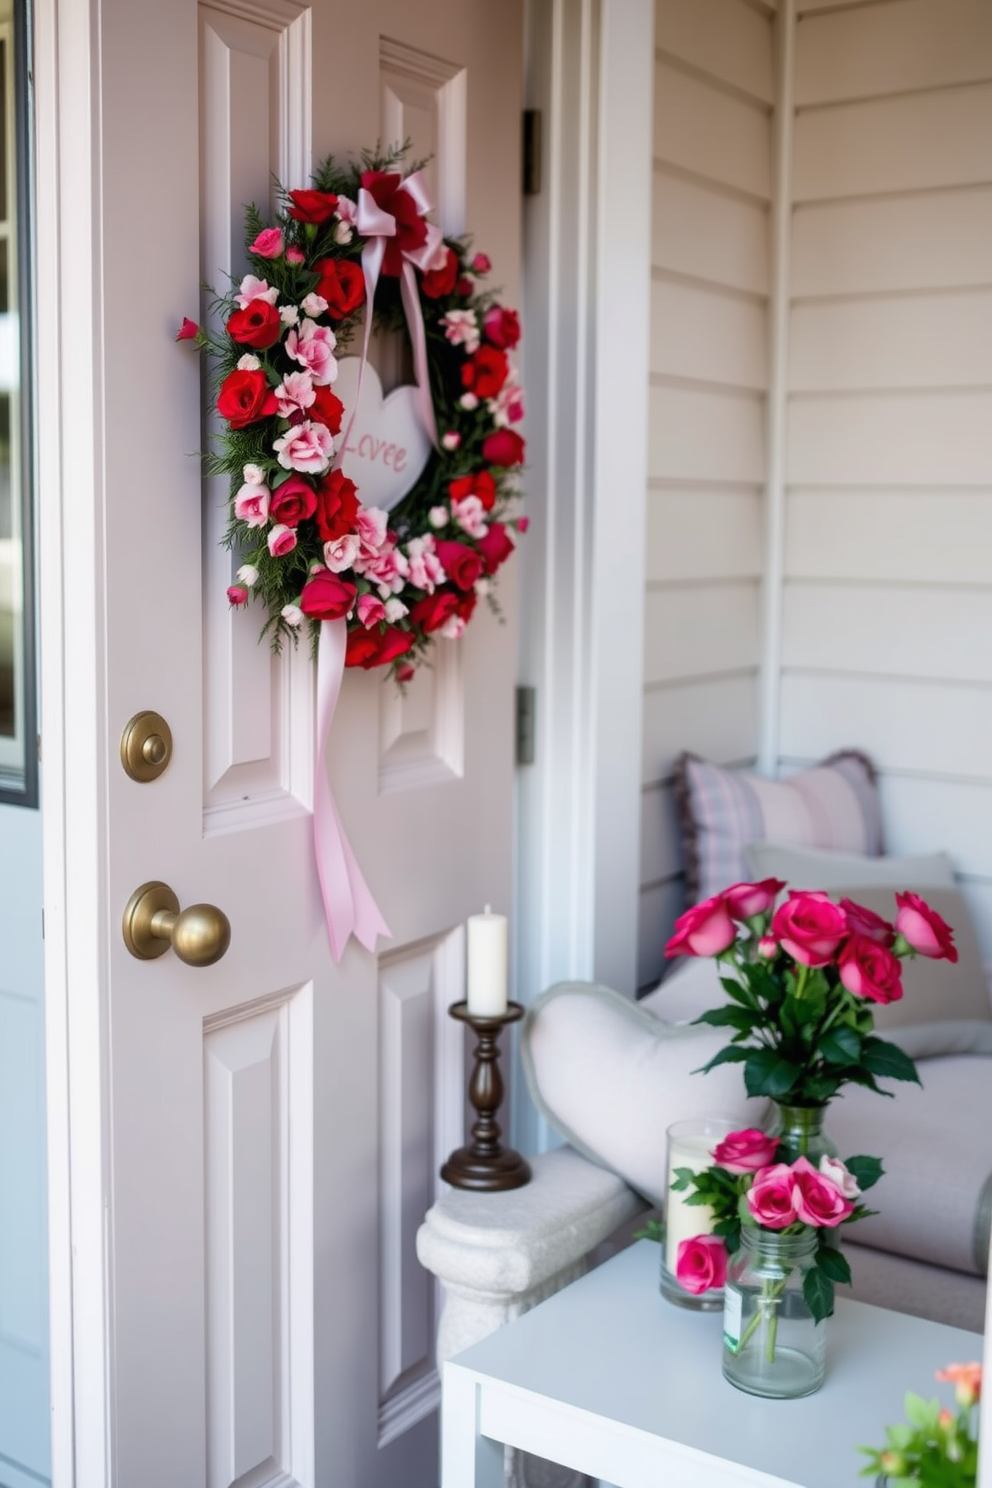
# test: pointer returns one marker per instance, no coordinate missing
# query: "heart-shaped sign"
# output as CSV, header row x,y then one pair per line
x,y
388,446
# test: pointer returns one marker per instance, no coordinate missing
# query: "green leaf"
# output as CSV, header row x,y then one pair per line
x,y
841,1045
652,1231
728,1055
888,1061
728,1017
740,993
867,1170
833,1264
818,1291
767,1073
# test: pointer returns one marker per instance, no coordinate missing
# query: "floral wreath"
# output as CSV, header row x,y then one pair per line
x,y
359,240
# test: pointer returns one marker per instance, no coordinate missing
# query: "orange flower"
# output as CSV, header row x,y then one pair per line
x,y
966,1379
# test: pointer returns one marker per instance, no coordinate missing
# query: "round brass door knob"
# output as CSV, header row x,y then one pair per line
x,y
152,922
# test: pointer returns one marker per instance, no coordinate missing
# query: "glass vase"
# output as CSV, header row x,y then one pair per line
x,y
690,1145
800,1130
771,1344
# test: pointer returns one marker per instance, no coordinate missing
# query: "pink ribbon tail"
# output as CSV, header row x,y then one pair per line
x,y
418,341
348,903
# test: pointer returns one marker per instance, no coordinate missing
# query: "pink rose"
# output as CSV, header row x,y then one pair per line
x,y
745,1151
810,927
745,900
772,1197
312,346
701,1263
818,1199
188,331
370,610
768,947
923,929
481,263
237,594
251,289
282,540
704,930
862,921
251,505
294,393
522,524
371,524
870,970
835,1170
295,256
268,244
306,447
502,327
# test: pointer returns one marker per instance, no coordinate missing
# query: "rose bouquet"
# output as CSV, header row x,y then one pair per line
x,y
801,981
359,243
749,1187
938,1448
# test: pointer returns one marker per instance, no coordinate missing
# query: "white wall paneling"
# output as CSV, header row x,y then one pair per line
x,y
703,532
705,434
933,536
713,716
710,134
701,233
706,336
694,629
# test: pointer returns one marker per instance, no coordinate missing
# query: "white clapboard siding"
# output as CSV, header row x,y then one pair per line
x,y
903,341
703,532
708,335
898,630
701,233
715,717
952,816
936,728
906,438
693,631
935,240
906,143
892,48
660,856
930,536
705,434
729,41
710,133
660,904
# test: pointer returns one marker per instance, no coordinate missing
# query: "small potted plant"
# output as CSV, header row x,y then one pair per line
x,y
936,1447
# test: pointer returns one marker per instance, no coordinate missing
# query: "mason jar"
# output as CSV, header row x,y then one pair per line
x,y
771,1344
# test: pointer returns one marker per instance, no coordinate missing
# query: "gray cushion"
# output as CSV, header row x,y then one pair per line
x,y
810,868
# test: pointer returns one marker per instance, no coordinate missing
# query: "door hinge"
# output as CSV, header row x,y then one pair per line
x,y
532,152
526,725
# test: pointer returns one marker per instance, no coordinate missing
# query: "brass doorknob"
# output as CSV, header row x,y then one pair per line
x,y
152,922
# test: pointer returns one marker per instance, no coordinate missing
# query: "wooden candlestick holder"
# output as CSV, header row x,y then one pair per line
x,y
486,1165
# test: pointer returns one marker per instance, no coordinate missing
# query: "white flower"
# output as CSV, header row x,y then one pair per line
x,y
248,363
314,304
453,628
395,610
468,401
833,1169
251,288
482,587
342,552
343,233
347,209
288,314
438,516
254,475
470,514
451,440
248,574
292,614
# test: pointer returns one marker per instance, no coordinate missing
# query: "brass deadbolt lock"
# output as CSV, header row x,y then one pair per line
x,y
146,746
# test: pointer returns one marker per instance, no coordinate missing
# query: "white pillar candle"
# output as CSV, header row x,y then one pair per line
x,y
487,964
690,1145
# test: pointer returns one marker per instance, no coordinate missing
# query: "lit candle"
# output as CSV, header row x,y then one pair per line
x,y
487,964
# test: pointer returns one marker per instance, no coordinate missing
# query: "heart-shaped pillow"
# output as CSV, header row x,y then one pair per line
x,y
388,445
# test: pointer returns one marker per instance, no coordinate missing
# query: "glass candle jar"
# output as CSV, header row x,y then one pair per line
x,y
690,1145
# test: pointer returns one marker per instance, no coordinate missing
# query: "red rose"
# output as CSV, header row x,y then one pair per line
x,y
342,284
257,325
188,331
504,447
747,900
244,398
292,502
866,922
495,547
464,286
502,327
431,612
870,970
704,930
481,484
326,409
923,929
462,564
485,372
337,506
327,597
810,927
439,282
385,188
313,206
368,649
466,605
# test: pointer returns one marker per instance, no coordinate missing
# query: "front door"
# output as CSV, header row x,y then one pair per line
x,y
272,1125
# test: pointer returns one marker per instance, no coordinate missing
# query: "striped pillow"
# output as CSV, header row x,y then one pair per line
x,y
834,806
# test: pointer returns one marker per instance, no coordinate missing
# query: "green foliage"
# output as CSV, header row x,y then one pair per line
x,y
938,1448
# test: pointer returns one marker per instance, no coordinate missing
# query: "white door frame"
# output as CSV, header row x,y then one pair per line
x,y
587,268
587,289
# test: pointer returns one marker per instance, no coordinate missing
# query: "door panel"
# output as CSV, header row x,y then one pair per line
x,y
276,1122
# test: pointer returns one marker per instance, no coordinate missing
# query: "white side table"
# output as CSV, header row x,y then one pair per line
x,y
609,1379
